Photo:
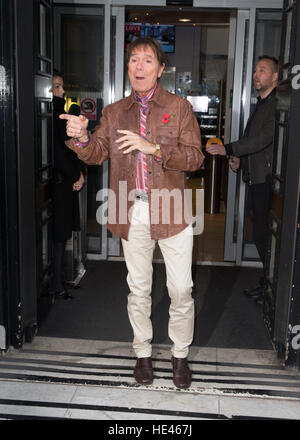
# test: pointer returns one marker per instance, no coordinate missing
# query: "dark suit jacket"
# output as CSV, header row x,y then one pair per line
x,y
256,146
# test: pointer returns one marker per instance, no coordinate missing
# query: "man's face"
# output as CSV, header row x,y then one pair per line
x,y
143,69
264,78
58,87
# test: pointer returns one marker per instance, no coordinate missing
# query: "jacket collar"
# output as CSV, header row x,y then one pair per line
x,y
157,98
269,96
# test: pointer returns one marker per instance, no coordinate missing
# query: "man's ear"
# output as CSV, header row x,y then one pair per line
x,y
161,69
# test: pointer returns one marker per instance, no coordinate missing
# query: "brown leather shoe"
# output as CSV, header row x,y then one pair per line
x,y
143,372
182,375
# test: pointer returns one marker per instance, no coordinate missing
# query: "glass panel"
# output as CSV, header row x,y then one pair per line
x,y
279,150
81,60
45,107
267,42
45,66
272,258
44,141
43,30
244,85
45,175
45,249
82,68
289,19
277,185
113,58
274,225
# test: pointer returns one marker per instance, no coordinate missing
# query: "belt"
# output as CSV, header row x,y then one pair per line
x,y
141,196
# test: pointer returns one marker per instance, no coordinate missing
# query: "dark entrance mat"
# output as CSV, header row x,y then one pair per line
x,y
224,316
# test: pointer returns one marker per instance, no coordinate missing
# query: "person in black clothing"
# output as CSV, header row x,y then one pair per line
x,y
253,153
68,180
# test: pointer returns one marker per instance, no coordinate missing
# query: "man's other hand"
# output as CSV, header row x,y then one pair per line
x,y
216,149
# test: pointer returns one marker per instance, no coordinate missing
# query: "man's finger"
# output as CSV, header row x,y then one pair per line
x,y
125,131
68,117
129,150
125,144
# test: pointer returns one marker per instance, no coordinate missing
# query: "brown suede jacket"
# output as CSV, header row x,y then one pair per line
x,y
180,143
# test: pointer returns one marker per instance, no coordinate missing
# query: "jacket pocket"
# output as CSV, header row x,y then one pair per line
x,y
167,135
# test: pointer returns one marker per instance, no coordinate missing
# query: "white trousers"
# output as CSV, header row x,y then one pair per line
x,y
177,253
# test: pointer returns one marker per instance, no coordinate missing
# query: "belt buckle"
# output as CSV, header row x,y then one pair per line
x,y
142,197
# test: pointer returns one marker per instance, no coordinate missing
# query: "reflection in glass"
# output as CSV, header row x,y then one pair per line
x,y
277,185
45,66
279,150
272,259
45,107
83,69
45,175
43,31
45,253
288,37
112,59
44,141
274,225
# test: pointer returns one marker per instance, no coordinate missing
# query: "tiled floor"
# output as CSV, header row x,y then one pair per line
x,y
56,378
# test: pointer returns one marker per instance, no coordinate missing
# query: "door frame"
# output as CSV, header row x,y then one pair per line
x,y
9,275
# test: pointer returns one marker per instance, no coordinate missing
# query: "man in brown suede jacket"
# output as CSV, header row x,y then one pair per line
x,y
151,138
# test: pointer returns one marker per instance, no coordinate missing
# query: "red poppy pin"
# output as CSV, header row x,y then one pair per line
x,y
167,118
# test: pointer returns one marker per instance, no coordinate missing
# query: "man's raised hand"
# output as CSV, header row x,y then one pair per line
x,y
76,126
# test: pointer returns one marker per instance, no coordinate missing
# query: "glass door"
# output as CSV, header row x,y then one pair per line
x,y
281,304
43,141
8,172
89,51
253,39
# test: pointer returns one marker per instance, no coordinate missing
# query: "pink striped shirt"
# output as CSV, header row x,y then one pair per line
x,y
141,169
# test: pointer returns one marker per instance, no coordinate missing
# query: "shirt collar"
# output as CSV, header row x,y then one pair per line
x,y
145,99
155,97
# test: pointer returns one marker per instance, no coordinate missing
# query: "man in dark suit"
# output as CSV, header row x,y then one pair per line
x,y
253,153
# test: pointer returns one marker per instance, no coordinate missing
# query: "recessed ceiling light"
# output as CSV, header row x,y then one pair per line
x,y
184,20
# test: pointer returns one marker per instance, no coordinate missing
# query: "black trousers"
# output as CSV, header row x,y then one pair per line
x,y
260,201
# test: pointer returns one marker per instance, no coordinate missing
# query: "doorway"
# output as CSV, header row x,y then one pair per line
x,y
196,43
201,67
219,301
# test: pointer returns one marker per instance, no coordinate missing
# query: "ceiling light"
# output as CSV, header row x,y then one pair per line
x,y
184,20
